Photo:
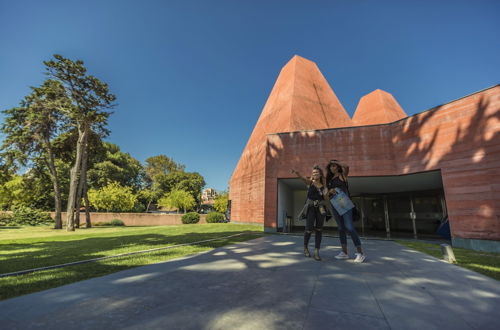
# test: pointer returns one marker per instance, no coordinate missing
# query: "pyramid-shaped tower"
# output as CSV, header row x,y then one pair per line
x,y
378,107
301,99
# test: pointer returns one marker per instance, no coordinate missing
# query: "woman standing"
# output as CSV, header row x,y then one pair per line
x,y
314,209
336,177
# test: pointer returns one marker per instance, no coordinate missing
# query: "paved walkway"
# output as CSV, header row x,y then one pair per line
x,y
266,283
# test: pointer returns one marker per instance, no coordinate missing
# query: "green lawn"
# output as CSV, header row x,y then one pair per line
x,y
30,247
482,262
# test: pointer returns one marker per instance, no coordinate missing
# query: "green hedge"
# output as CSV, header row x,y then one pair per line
x,y
25,216
6,219
191,217
214,217
114,222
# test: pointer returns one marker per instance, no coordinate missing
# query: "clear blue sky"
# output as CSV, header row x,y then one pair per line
x,y
192,77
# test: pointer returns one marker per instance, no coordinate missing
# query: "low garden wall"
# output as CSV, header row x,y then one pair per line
x,y
134,219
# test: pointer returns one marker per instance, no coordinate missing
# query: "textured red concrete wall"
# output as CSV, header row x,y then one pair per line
x,y
378,107
461,138
300,99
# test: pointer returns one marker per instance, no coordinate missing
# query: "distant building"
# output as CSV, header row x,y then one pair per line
x,y
208,196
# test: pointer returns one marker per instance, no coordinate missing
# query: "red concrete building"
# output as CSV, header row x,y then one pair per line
x,y
408,174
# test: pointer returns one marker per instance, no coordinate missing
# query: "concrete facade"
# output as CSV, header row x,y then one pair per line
x,y
303,124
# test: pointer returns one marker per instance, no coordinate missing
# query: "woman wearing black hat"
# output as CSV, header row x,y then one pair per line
x,y
336,178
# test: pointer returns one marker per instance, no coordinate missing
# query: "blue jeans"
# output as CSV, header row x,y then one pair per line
x,y
345,224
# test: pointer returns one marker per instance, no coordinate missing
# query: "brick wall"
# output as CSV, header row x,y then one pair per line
x,y
461,138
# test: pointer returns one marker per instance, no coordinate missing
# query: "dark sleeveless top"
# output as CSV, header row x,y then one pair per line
x,y
314,193
337,183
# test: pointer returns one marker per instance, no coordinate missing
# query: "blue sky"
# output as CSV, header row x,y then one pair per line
x,y
192,77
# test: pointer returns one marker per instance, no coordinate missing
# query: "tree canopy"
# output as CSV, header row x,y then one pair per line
x,y
220,202
53,154
113,198
116,166
178,199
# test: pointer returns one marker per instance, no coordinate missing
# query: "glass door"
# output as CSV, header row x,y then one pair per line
x,y
373,216
401,216
428,214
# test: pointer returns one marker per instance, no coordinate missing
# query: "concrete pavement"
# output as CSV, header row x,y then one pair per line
x,y
267,283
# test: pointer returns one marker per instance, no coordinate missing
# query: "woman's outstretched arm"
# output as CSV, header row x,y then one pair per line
x,y
307,181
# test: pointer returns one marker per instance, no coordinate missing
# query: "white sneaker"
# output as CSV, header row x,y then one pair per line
x,y
360,257
341,255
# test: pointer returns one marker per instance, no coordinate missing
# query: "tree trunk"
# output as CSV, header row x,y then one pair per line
x,y
74,174
78,202
55,182
88,223
83,181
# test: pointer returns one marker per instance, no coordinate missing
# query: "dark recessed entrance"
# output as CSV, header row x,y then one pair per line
x,y
410,205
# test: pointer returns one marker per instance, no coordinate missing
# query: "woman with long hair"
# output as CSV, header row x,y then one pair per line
x,y
336,178
315,209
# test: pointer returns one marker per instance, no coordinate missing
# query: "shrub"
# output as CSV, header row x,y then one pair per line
x,y
116,222
26,216
6,219
191,217
214,217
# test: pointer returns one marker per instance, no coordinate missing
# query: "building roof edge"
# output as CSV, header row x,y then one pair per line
x,y
418,113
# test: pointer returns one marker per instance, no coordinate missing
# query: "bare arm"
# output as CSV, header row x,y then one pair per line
x,y
345,169
307,181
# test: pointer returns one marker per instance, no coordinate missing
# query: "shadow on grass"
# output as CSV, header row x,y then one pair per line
x,y
18,285
263,284
48,253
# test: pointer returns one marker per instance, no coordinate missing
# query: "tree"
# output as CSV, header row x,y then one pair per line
x,y
65,145
39,185
113,198
156,169
5,170
161,164
193,182
220,202
148,195
116,166
178,199
180,180
30,128
91,100
13,193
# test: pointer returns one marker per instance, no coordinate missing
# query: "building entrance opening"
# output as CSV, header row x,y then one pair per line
x,y
404,206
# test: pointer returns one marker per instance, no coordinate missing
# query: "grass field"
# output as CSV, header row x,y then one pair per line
x,y
31,247
482,262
